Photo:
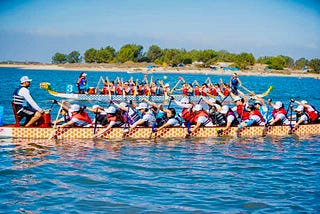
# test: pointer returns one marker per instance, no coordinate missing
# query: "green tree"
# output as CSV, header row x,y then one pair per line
x,y
276,62
243,60
59,58
289,62
74,57
130,52
315,65
154,53
91,55
105,55
300,63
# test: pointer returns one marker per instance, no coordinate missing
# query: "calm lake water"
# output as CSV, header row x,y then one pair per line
x,y
218,175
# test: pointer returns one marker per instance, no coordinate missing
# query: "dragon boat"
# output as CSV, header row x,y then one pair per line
x,y
10,131
126,98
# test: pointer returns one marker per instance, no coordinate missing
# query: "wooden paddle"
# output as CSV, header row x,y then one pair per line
x,y
55,124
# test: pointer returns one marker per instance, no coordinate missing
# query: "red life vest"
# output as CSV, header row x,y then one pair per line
x,y
313,115
197,91
188,115
204,91
226,92
105,90
257,112
202,113
83,116
242,113
185,91
119,89
281,110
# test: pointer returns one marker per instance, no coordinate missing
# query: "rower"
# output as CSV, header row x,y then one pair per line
x,y
230,117
214,111
148,117
170,119
301,116
255,118
79,117
279,114
310,110
240,108
128,112
101,114
187,114
201,118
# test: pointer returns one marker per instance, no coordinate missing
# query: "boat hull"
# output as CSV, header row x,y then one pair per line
x,y
144,133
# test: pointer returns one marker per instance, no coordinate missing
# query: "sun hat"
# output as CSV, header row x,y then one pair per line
x,y
74,108
237,98
278,105
224,109
25,79
299,108
111,110
198,107
142,106
185,100
304,102
166,85
84,74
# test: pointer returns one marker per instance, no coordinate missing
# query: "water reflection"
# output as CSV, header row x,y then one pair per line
x,y
28,153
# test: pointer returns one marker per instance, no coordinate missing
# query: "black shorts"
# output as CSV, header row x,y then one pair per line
x,y
26,111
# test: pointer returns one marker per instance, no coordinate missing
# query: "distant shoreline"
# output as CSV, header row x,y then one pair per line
x,y
142,68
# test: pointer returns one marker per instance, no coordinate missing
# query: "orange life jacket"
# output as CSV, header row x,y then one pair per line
x,y
188,115
83,116
202,113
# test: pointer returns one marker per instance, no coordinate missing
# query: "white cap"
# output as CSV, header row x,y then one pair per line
x,y
123,104
84,74
299,108
257,102
212,100
237,98
142,106
224,109
198,107
185,100
278,105
74,107
25,79
111,110
304,102
166,85
96,106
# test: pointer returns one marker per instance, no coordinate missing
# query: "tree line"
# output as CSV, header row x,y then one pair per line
x,y
174,57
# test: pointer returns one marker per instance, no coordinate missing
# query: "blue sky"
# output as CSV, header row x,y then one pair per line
x,y
35,30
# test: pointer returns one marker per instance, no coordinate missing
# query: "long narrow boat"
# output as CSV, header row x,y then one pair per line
x,y
9,131
119,98
106,97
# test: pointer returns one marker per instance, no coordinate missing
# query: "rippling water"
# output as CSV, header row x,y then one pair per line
x,y
222,175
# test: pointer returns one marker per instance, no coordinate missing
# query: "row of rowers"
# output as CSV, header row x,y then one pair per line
x,y
149,114
159,88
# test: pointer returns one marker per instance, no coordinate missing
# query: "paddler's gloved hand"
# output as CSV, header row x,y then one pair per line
x,y
292,100
54,101
269,100
171,98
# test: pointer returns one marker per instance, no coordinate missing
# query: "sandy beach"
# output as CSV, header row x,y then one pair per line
x,y
257,70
